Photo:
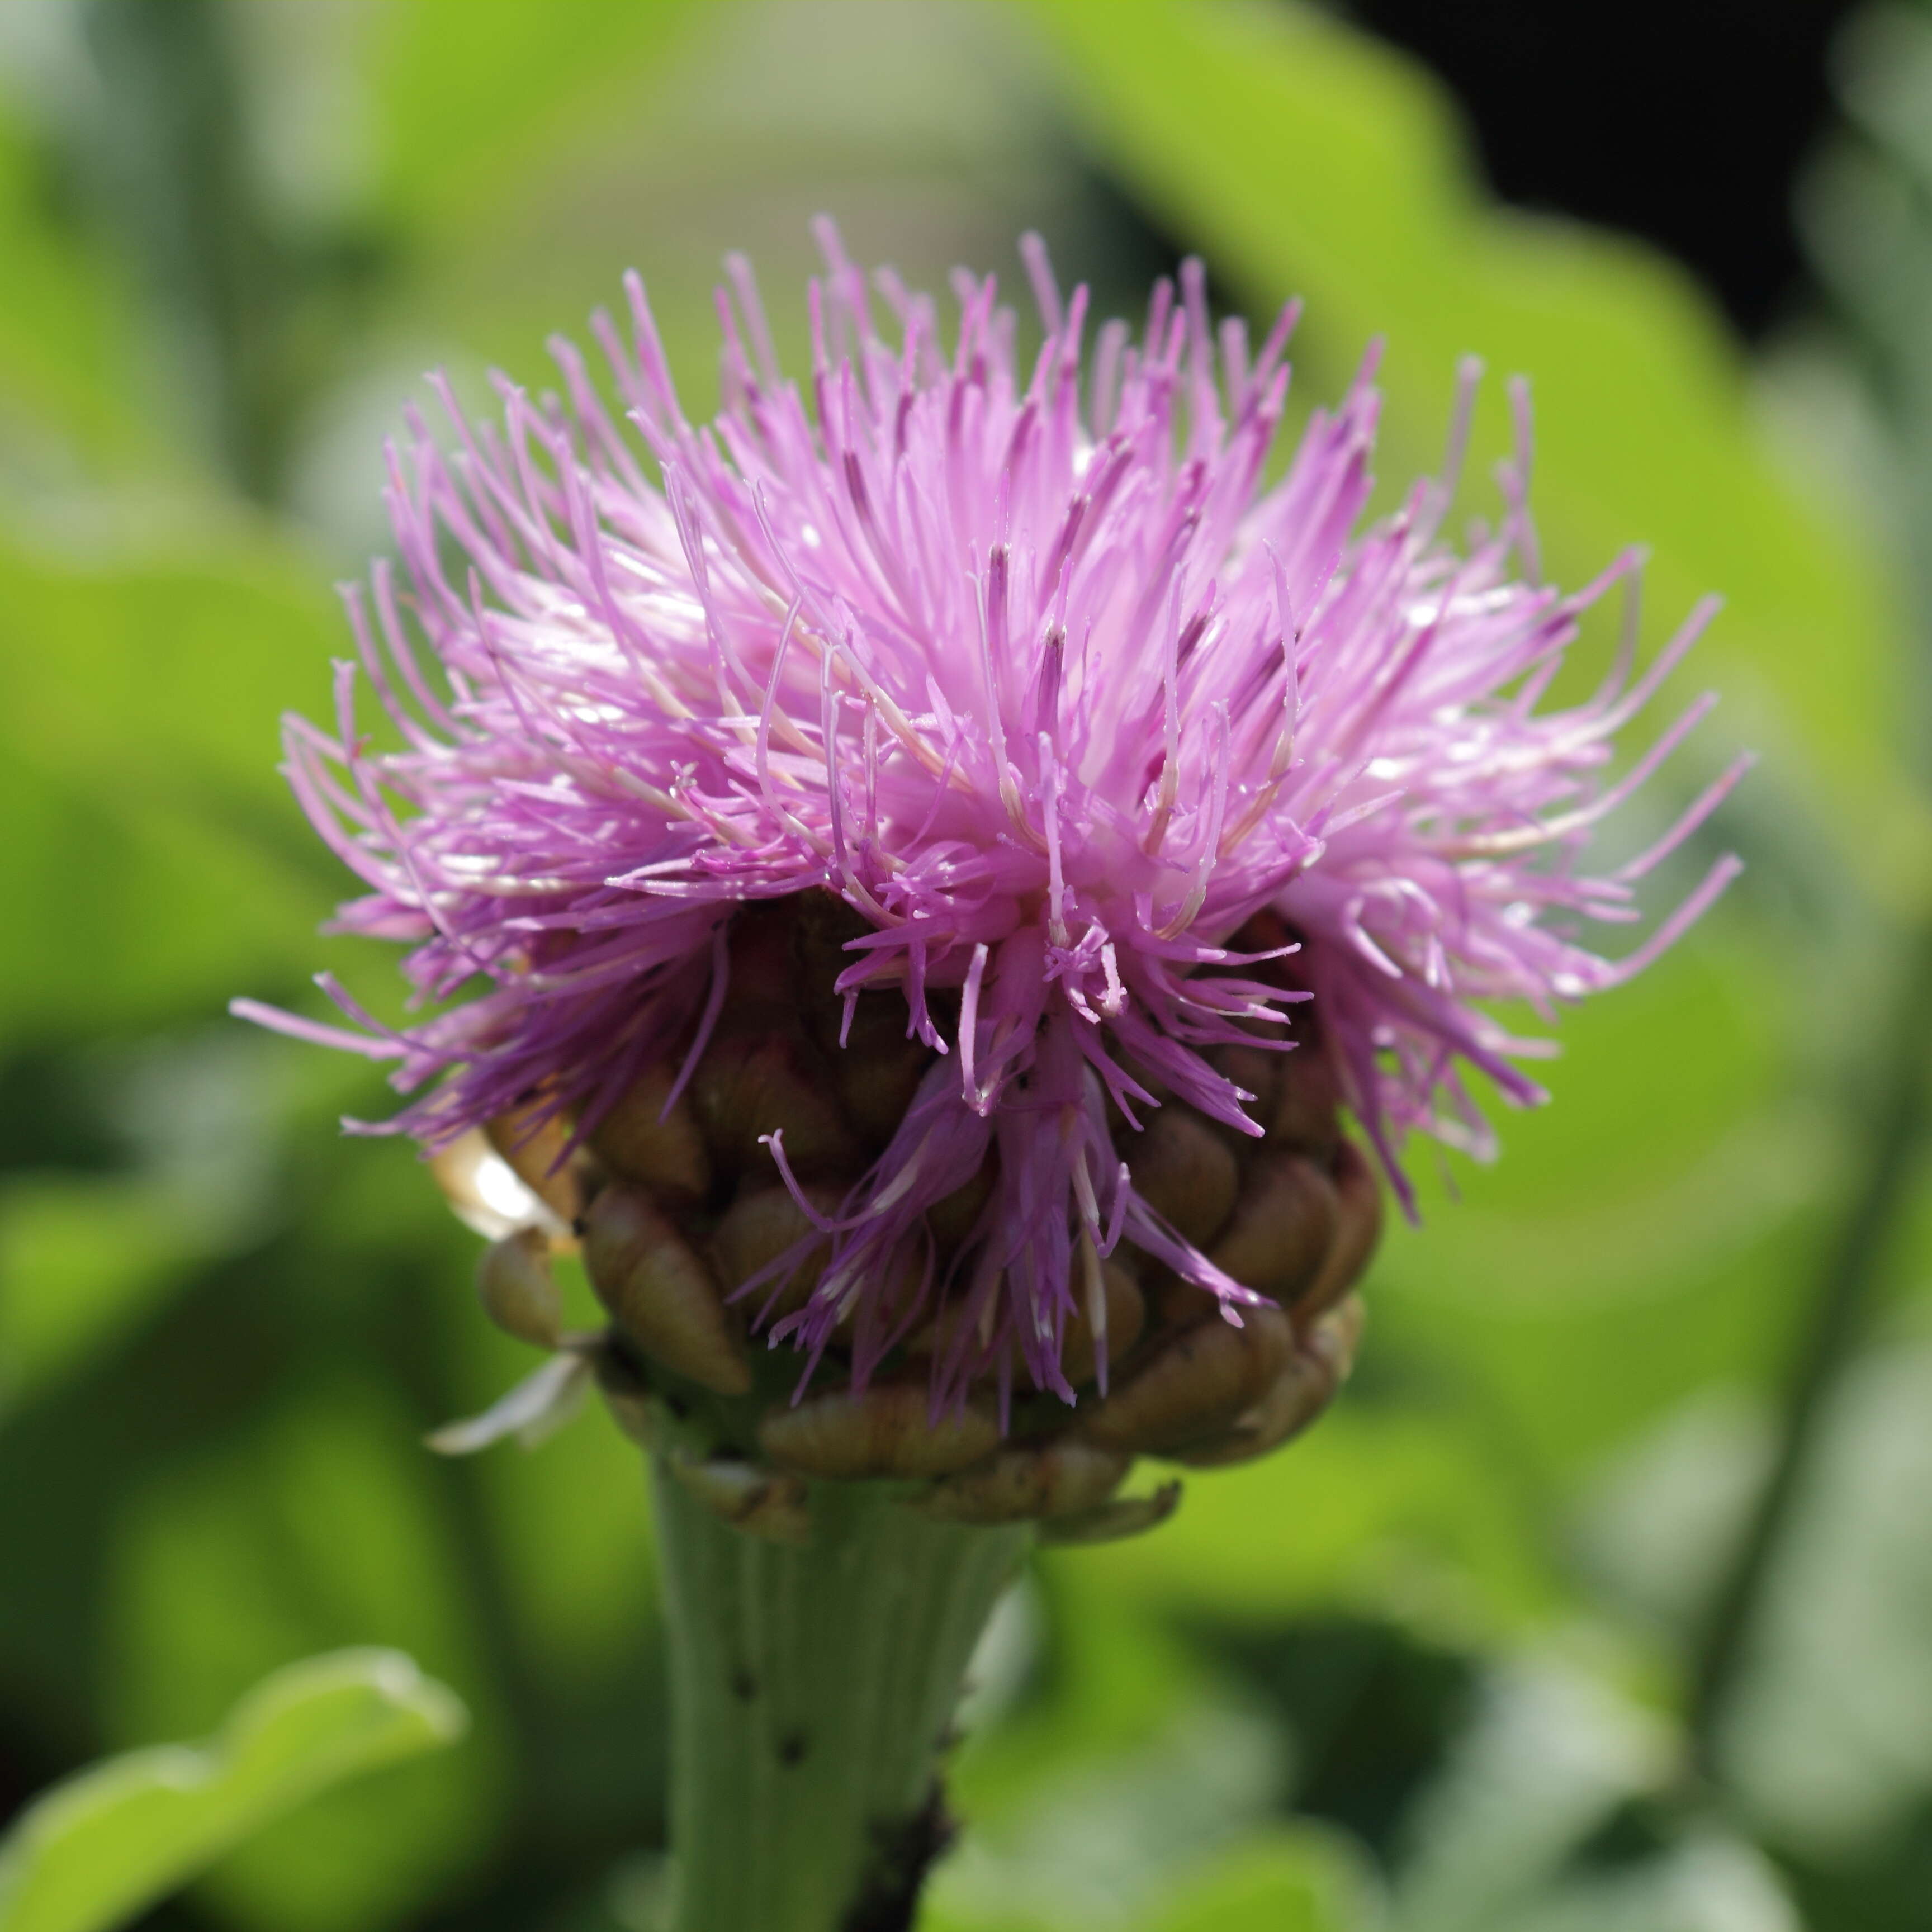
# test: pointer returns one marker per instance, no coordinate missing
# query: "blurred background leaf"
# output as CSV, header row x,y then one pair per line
x,y
90,1854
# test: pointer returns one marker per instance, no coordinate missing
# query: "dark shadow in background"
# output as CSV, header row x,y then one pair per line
x,y
1685,123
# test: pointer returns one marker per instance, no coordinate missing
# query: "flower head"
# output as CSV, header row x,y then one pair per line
x,y
1115,753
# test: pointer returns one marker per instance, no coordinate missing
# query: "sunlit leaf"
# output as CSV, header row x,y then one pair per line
x,y
1712,1882
321,1522
94,1852
473,94
1831,1737
63,391
1284,1880
153,859
1375,1505
1108,1677
1551,1755
80,1259
572,1520
1110,1831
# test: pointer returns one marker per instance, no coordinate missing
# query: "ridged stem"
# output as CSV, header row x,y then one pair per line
x,y
813,1690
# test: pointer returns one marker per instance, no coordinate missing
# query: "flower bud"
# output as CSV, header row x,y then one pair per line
x,y
563,1181
1062,1477
1199,1383
1184,1171
1337,1336
761,1502
1125,1312
888,1430
484,1192
517,1289
1281,1227
754,1081
758,1227
1111,1522
1305,1386
663,1151
1358,1227
659,1291
877,1069
952,1217
1256,1070
1305,1099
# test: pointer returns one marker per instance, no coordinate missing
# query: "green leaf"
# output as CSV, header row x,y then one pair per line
x,y
1286,1879
96,1850
467,113
155,862
572,1524
1554,1750
1830,1745
82,1258
1649,1233
63,390
1379,1507
1102,1679
159,666
1713,1881
323,1522
1107,1831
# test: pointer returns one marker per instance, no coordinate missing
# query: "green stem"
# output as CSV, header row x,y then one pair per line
x,y
813,1690
1836,1322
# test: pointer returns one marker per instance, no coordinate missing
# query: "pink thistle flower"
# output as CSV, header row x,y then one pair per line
x,y
1033,673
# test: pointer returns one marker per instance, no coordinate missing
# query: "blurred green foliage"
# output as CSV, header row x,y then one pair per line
x,y
1426,1671
94,1851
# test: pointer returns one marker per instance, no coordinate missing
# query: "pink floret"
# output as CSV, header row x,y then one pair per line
x,y
1033,672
